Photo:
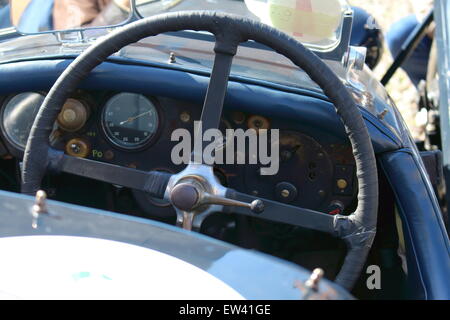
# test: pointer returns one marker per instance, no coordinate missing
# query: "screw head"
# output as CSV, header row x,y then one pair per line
x,y
75,148
285,193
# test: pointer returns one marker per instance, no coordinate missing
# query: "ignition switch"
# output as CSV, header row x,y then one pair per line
x,y
77,148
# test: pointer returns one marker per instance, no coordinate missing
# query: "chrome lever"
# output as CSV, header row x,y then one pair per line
x,y
256,206
187,197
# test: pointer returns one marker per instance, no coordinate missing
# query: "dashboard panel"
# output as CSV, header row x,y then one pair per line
x,y
316,171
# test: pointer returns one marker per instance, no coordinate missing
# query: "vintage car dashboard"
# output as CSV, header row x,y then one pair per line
x,y
316,171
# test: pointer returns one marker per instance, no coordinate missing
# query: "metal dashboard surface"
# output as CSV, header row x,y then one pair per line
x,y
291,102
245,271
194,53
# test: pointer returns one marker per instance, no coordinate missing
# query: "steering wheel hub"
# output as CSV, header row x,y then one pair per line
x,y
185,196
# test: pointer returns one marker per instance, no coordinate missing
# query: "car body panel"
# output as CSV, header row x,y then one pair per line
x,y
427,245
245,271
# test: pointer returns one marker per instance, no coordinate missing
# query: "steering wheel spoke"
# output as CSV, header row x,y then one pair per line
x,y
215,95
152,182
283,213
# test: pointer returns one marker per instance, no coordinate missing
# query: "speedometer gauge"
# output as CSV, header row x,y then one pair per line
x,y
18,117
130,121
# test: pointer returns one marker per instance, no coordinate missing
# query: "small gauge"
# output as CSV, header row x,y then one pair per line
x,y
18,117
130,121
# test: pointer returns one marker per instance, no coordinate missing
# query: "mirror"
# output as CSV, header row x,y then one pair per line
x,y
315,23
33,16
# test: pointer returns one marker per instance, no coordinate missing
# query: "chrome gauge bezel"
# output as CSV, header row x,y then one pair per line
x,y
138,147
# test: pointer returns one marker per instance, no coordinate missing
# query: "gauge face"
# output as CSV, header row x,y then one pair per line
x,y
130,120
19,115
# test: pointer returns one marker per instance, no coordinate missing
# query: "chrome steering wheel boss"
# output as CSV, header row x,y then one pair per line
x,y
196,192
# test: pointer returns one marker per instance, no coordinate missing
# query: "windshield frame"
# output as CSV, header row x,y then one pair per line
x,y
335,53
88,34
343,30
442,17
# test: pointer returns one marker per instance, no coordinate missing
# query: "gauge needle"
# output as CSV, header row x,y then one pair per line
x,y
134,118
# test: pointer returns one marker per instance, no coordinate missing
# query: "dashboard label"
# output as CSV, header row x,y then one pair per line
x,y
97,154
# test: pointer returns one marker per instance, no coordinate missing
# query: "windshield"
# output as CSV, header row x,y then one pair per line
x,y
37,16
316,23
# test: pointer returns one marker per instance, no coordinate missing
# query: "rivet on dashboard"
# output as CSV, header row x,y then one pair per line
x,y
285,193
185,117
109,155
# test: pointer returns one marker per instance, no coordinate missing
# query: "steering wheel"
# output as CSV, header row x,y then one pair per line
x,y
196,192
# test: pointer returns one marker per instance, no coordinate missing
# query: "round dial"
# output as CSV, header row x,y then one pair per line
x,y
18,117
73,115
130,120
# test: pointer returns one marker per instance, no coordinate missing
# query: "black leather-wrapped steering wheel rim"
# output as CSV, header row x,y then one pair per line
x,y
358,230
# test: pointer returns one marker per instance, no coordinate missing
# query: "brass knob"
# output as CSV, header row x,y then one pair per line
x,y
342,184
73,115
